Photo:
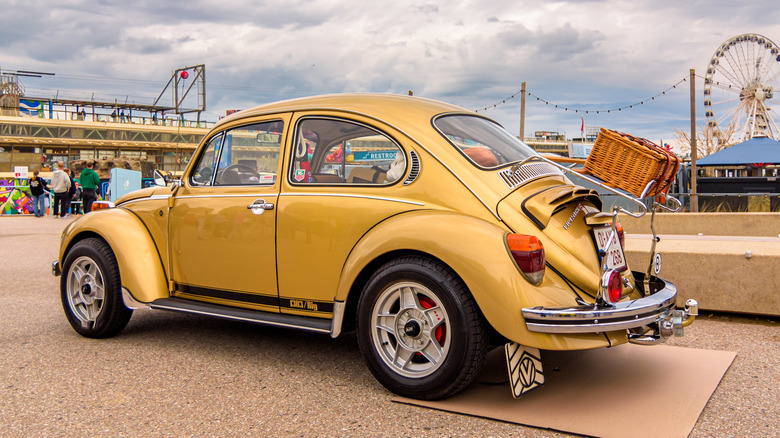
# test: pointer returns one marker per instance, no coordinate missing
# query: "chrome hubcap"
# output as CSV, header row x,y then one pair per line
x,y
410,329
85,289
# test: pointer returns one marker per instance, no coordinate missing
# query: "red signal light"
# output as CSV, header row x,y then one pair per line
x,y
621,234
101,205
528,254
611,286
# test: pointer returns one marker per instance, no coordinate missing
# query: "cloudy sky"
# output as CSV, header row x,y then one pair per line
x,y
580,54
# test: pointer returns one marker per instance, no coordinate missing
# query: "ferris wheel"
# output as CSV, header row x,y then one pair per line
x,y
740,89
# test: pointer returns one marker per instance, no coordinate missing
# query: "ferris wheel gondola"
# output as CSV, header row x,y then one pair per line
x,y
740,89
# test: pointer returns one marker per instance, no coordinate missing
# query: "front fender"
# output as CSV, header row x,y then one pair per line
x,y
475,250
140,264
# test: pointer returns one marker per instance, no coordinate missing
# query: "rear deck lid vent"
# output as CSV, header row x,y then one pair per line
x,y
528,172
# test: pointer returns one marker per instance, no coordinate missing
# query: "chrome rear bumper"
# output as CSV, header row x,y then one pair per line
x,y
650,318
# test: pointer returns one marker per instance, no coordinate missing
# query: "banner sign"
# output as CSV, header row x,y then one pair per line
x,y
30,107
375,155
20,172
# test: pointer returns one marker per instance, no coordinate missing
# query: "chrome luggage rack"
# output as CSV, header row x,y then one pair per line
x,y
676,206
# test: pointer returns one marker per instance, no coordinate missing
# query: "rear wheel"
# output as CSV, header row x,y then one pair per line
x,y
419,329
90,289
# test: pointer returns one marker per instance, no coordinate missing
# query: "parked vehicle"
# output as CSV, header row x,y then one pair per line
x,y
427,228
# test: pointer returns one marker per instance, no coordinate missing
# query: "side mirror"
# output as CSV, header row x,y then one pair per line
x,y
161,178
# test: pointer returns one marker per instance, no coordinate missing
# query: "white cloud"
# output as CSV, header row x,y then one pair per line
x,y
595,54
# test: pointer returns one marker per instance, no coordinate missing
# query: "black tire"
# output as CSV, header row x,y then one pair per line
x,y
400,345
90,268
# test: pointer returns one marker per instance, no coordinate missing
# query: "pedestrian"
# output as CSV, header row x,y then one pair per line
x,y
60,184
39,189
71,192
89,181
75,200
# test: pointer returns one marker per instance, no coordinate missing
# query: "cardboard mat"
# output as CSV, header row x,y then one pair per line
x,y
629,390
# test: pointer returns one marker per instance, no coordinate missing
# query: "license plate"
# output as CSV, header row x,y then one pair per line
x,y
615,258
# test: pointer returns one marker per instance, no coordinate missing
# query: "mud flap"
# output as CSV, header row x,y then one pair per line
x,y
525,368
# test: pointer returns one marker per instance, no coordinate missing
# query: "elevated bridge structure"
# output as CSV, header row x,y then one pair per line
x,y
39,142
38,130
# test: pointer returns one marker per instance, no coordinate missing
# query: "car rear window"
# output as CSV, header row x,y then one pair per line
x,y
485,143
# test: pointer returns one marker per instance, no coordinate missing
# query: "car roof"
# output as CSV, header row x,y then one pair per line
x,y
392,108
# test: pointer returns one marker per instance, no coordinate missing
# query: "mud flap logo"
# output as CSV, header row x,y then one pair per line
x,y
525,368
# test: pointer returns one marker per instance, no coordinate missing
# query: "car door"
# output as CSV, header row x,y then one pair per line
x,y
345,176
222,223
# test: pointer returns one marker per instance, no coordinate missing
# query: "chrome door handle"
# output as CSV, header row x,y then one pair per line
x,y
259,206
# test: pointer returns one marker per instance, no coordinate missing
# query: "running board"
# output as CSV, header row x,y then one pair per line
x,y
317,325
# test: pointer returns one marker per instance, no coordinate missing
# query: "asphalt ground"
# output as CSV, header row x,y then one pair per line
x,y
170,374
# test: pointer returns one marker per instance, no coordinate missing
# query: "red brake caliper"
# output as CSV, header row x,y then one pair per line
x,y
428,303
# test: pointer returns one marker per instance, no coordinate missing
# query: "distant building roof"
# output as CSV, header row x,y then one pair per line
x,y
756,150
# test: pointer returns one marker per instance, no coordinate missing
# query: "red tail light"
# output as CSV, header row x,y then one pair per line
x,y
621,234
101,205
528,253
611,286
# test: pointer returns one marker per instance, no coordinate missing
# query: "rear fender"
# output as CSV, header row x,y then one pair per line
x,y
140,264
475,250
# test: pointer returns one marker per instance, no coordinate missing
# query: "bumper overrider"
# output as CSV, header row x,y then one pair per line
x,y
649,320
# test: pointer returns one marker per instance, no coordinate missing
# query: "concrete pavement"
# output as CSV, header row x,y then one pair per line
x,y
171,374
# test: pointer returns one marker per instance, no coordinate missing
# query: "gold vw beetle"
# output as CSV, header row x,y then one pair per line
x,y
428,229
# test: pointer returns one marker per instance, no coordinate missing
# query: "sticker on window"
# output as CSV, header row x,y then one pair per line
x,y
300,174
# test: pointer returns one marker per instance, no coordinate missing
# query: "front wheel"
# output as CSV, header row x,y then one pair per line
x,y
90,290
420,331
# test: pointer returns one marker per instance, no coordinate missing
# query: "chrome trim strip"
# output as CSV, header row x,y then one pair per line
x,y
239,318
345,195
592,328
593,319
132,303
339,307
249,195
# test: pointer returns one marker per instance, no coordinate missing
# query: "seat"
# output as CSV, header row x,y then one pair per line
x,y
327,178
366,175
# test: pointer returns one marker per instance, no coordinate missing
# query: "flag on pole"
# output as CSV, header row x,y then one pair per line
x,y
582,127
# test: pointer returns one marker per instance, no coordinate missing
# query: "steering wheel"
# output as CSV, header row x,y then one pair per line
x,y
239,169
204,175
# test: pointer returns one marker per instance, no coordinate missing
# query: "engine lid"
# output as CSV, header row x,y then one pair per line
x,y
556,214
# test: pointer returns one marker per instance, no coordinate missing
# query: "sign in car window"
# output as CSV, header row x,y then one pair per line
x,y
388,155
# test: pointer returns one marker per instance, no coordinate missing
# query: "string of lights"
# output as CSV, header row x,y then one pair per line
x,y
715,82
587,110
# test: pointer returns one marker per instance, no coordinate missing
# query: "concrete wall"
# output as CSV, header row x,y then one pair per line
x,y
709,224
733,267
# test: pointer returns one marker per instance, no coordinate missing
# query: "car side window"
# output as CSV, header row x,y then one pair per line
x,y
203,175
249,155
335,151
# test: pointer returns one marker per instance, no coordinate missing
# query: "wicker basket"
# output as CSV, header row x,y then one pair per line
x,y
631,163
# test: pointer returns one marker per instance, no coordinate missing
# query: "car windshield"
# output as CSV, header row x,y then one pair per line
x,y
485,143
